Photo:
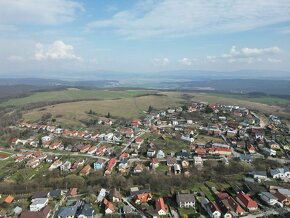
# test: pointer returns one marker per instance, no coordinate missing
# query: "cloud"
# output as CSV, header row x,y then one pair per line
x,y
211,59
58,50
274,60
185,61
177,18
249,55
13,12
161,61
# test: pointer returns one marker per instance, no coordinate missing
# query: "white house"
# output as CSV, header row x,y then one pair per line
x,y
211,208
280,173
198,161
38,203
185,200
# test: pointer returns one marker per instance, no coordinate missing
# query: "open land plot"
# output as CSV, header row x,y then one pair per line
x,y
73,95
133,107
73,112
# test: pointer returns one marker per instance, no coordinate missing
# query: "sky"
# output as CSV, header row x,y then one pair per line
x,y
80,36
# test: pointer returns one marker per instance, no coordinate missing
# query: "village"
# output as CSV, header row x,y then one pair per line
x,y
248,153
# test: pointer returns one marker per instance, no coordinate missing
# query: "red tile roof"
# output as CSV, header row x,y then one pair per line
x,y
247,201
9,199
160,205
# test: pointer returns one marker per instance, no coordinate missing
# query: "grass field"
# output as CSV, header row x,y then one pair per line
x,y
131,104
71,113
73,94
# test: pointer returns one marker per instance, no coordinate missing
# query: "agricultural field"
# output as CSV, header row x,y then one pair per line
x,y
73,94
270,100
72,113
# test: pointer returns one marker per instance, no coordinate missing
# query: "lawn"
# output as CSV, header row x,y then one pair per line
x,y
72,95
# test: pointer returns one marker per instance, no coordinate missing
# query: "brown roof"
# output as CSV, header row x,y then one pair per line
x,y
39,214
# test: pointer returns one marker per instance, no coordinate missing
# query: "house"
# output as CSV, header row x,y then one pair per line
x,y
200,151
197,161
101,150
109,207
55,145
33,163
86,170
92,150
102,195
246,158
38,204
17,211
85,148
44,213
220,151
188,138
124,156
151,153
76,164
56,164
136,123
160,154
116,195
251,149
183,154
139,140
99,164
228,204
122,167
269,152
55,193
280,173
109,136
138,168
177,169
73,192
66,166
161,207
185,164
211,208
39,195
269,198
246,201
9,199
143,197
154,163
259,175
86,211
69,211
171,161
284,191
283,199
111,164
185,200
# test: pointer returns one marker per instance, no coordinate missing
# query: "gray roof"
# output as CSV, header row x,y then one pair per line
x,y
269,195
39,201
259,173
87,210
185,198
69,211
284,191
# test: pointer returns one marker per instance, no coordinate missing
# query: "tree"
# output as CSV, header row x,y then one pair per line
x,y
150,109
109,115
